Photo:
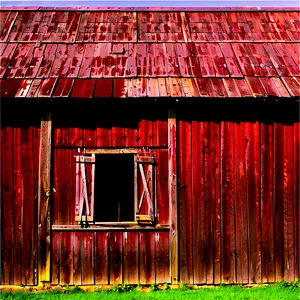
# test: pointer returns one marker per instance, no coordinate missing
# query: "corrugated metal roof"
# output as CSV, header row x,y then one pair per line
x,y
126,53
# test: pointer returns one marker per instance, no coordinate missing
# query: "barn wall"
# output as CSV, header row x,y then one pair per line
x,y
239,194
19,177
107,257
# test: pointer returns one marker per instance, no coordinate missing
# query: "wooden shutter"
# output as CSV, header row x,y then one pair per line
x,y
85,178
145,199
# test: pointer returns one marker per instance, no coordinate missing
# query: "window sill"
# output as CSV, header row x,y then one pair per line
x,y
121,226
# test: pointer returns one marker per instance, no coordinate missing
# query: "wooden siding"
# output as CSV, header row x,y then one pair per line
x,y
238,190
239,196
19,189
109,257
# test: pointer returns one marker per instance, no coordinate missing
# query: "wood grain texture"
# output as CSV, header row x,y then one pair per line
x,y
185,205
199,261
173,197
130,257
267,205
241,206
44,191
147,259
228,209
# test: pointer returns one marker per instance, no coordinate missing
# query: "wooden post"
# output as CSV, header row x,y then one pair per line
x,y
44,234
172,163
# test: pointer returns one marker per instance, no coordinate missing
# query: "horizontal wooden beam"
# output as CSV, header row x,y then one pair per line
x,y
114,151
109,227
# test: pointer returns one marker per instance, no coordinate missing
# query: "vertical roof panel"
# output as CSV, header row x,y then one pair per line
x,y
103,88
7,25
190,87
256,87
47,62
282,90
6,57
152,87
9,88
231,61
24,88
176,87
34,88
63,87
270,87
231,87
139,87
83,88
293,85
47,87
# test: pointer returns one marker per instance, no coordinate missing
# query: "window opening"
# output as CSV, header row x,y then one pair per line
x,y
114,188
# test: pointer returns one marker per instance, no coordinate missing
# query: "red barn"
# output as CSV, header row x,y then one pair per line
x,y
149,145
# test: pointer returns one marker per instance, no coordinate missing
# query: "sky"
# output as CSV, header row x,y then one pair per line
x,y
155,3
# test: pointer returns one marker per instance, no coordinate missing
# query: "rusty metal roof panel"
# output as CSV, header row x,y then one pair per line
x,y
23,88
101,52
63,87
293,85
103,88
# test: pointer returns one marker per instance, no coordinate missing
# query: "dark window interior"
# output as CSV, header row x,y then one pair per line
x,y
114,188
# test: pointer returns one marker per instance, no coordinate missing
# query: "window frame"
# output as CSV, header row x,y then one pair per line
x,y
138,154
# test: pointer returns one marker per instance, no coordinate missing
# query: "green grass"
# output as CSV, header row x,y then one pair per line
x,y
281,290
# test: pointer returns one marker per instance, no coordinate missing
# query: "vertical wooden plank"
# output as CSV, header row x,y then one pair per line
x,y
227,190
77,258
147,257
115,259
172,189
288,205
208,134
44,234
101,258
252,157
131,130
162,186
185,251
198,217
17,208
62,192
160,131
296,198
66,258
131,257
118,136
7,274
217,208
55,256
278,198
87,264
241,212
89,132
145,133
162,257
71,187
103,131
28,248
36,181
267,206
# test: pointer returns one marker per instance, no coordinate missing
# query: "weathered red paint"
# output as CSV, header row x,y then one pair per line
x,y
236,174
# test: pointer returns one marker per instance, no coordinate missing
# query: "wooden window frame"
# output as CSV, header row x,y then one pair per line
x,y
141,156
